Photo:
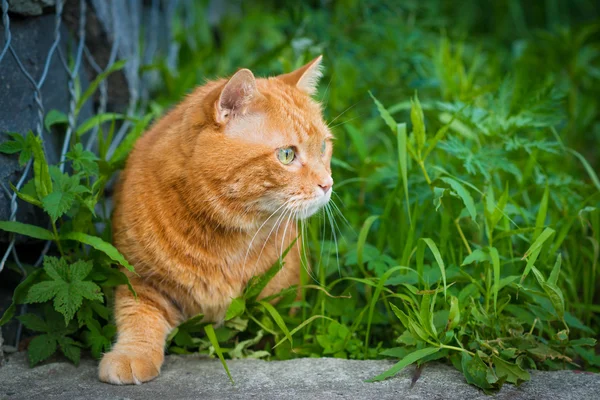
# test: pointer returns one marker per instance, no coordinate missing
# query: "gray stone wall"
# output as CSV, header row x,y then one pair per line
x,y
45,46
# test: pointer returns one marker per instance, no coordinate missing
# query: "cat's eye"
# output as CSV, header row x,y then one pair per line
x,y
323,147
286,155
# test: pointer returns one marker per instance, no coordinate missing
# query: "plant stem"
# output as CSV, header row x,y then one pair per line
x,y
57,239
422,165
462,236
445,346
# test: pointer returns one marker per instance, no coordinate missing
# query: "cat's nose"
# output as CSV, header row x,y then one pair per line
x,y
326,184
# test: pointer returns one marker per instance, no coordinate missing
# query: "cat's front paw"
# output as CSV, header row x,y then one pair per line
x,y
127,368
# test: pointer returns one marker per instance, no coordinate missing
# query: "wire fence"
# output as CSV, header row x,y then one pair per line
x,y
123,17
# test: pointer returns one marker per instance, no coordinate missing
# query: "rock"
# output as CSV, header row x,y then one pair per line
x,y
1,349
126,21
192,377
31,39
29,7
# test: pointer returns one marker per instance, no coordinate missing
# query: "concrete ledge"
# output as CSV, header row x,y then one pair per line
x,y
192,377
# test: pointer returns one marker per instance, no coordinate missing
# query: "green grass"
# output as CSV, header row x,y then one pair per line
x,y
466,224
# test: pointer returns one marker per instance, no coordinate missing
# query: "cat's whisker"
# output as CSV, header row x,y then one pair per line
x,y
327,90
339,212
342,113
274,228
321,261
258,230
338,229
287,224
301,236
306,265
331,222
307,268
331,237
346,121
286,217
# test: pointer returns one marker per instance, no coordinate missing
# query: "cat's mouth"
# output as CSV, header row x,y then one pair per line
x,y
313,205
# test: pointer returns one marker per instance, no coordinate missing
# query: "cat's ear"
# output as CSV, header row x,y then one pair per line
x,y
305,78
235,96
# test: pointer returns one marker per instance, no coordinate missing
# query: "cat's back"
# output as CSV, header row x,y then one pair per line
x,y
142,187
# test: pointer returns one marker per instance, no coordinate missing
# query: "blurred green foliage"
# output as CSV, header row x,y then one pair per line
x,y
493,171
466,224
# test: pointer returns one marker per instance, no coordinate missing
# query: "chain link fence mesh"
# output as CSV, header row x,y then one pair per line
x,y
132,20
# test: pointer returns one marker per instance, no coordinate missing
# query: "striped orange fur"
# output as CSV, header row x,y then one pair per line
x,y
205,203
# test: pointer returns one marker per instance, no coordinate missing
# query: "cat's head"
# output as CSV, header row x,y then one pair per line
x,y
271,149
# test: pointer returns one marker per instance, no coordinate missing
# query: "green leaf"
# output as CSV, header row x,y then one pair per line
x,y
64,191
66,287
543,352
499,209
11,147
398,352
454,314
99,245
426,315
418,122
401,315
438,258
33,322
122,151
278,320
534,251
55,117
81,269
478,255
588,168
70,349
42,292
83,160
379,288
96,82
21,144
19,295
387,117
475,371
302,325
406,361
583,342
539,241
553,278
358,140
56,204
556,297
513,373
26,197
256,284
41,173
96,120
27,230
98,339
496,266
541,216
418,330
210,333
236,308
362,238
40,348
464,194
403,161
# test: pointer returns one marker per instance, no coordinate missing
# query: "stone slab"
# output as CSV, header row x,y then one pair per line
x,y
193,377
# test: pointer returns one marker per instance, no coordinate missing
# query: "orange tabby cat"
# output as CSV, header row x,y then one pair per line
x,y
209,198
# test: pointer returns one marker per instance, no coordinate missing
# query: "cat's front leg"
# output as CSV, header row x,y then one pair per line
x,y
142,326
